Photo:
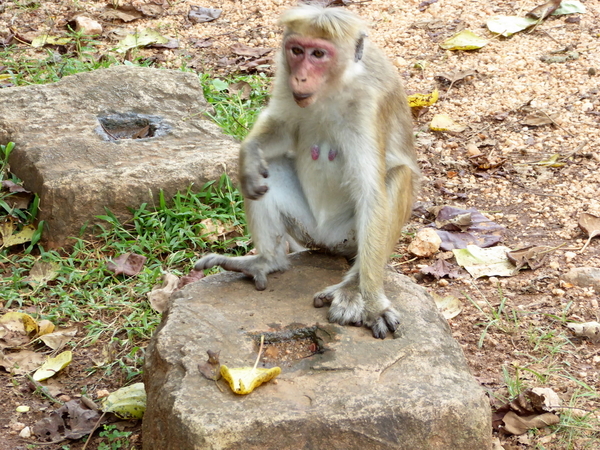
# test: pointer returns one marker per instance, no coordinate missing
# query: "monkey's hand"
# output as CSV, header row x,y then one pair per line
x,y
350,307
253,170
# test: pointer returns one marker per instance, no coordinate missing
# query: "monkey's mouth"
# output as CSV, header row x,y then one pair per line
x,y
302,99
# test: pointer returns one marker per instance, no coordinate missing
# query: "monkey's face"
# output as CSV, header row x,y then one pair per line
x,y
311,61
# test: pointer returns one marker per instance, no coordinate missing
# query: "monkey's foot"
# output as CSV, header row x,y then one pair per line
x,y
254,266
349,307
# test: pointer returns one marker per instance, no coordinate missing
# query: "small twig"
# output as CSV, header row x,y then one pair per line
x,y
43,390
96,425
394,264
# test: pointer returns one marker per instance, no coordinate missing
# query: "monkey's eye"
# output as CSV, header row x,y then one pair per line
x,y
318,53
297,50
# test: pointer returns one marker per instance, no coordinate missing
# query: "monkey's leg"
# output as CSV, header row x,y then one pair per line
x,y
278,219
360,298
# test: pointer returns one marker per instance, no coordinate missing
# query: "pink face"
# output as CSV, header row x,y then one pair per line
x,y
310,61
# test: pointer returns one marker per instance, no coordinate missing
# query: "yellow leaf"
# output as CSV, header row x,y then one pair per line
x,y
28,323
46,327
20,237
421,100
53,365
245,379
443,122
464,40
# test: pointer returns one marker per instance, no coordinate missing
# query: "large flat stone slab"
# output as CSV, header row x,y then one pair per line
x,y
413,391
64,155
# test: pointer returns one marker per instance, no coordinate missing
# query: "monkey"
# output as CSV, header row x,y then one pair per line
x,y
329,164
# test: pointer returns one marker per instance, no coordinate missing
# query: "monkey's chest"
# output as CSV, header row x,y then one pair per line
x,y
320,171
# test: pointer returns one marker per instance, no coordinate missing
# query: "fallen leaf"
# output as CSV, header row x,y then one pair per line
x,y
509,25
454,77
443,122
515,424
45,327
73,420
41,273
547,400
129,402
459,228
449,306
422,100
590,224
129,264
482,262
13,187
57,339
552,161
125,16
159,297
440,269
10,238
243,50
590,330
198,14
245,379
241,88
45,39
464,40
21,362
211,368
53,365
192,277
18,321
558,59
569,7
539,118
543,11
140,39
531,256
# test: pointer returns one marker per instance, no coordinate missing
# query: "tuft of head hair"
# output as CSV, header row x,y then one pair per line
x,y
336,24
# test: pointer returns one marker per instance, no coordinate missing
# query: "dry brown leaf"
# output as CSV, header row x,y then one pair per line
x,y
159,296
129,264
21,362
539,118
58,339
532,256
590,224
242,88
543,11
243,50
515,424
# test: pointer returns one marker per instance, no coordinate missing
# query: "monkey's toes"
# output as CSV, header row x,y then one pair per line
x,y
388,321
322,299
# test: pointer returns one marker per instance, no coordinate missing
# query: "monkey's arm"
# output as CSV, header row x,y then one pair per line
x,y
267,140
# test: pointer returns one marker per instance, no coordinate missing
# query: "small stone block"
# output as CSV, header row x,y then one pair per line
x,y
411,391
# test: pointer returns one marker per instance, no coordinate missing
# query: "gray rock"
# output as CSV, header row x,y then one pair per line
x,y
411,392
64,154
584,277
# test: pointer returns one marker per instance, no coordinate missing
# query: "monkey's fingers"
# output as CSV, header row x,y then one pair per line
x,y
387,321
321,299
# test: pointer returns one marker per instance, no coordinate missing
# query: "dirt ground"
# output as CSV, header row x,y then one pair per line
x,y
498,165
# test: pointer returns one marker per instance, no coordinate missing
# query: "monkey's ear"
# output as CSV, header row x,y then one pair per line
x,y
360,46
